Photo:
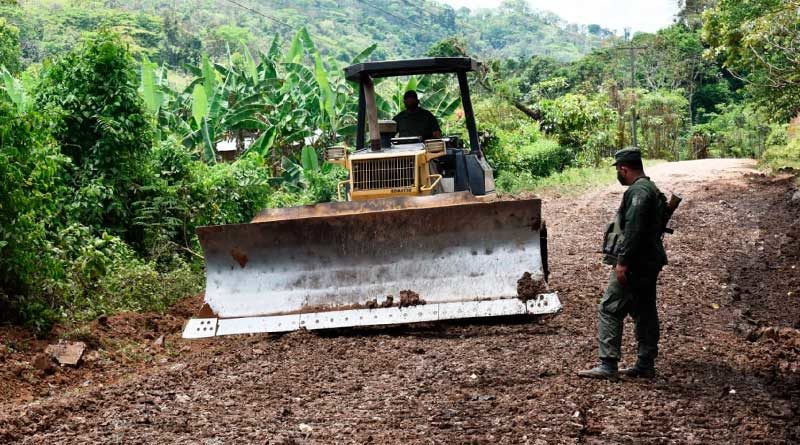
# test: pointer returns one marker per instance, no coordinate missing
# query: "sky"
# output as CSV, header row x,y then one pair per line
x,y
640,15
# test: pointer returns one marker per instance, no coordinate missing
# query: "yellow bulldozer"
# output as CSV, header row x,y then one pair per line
x,y
420,236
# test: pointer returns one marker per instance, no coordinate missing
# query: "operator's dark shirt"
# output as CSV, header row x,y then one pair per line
x,y
419,122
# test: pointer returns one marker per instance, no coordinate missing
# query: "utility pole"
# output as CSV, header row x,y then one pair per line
x,y
632,50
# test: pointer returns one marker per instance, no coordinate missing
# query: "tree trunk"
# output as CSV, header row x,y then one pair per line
x,y
533,114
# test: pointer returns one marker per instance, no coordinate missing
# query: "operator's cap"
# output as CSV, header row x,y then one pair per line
x,y
630,154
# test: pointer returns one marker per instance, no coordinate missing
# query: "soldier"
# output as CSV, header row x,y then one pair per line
x,y
634,247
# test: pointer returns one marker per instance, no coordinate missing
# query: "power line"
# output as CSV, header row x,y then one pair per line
x,y
428,14
632,50
464,24
364,2
254,11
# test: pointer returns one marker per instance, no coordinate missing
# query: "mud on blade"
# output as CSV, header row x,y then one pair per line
x,y
447,248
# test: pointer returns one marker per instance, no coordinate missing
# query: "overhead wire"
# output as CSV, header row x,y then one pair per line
x,y
413,22
429,14
389,13
363,2
255,11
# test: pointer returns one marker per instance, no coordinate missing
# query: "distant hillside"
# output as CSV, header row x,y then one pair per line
x,y
175,31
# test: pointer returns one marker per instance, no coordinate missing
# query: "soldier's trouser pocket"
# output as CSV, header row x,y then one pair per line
x,y
615,297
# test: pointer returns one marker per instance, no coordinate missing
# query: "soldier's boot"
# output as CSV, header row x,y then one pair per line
x,y
607,369
642,369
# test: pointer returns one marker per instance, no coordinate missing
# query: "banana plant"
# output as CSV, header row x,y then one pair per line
x,y
219,109
16,91
437,95
288,99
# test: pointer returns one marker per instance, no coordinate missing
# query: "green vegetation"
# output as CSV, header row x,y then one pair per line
x,y
177,33
571,180
9,46
111,117
783,152
108,179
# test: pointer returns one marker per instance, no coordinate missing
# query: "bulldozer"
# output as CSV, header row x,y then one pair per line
x,y
419,235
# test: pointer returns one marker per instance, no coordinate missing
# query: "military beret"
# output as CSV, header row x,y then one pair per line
x,y
629,154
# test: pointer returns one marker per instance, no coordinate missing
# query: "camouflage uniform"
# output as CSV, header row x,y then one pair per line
x,y
643,252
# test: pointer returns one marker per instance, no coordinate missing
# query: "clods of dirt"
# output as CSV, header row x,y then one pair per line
x,y
44,362
240,256
410,298
528,288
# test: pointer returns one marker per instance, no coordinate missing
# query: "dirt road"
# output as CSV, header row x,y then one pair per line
x,y
724,376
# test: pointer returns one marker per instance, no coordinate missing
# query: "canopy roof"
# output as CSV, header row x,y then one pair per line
x,y
392,68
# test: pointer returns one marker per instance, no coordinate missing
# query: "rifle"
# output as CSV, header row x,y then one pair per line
x,y
672,205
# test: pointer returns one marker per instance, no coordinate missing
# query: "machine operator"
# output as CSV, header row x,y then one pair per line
x,y
415,120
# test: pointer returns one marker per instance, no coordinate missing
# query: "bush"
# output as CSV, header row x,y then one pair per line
x,y
32,198
663,117
134,285
540,158
738,131
99,120
581,123
186,194
569,180
778,135
9,46
503,147
780,157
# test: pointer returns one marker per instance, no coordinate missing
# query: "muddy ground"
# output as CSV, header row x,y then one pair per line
x,y
728,373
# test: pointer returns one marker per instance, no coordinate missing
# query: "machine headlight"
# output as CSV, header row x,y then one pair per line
x,y
434,145
335,153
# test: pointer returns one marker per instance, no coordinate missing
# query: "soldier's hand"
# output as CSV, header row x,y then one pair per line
x,y
622,277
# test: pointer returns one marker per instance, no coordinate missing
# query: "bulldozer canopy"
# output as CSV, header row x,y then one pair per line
x,y
409,67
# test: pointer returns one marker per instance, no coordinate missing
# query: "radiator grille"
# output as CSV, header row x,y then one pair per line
x,y
383,173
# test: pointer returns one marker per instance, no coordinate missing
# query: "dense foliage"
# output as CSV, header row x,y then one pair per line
x,y
177,33
98,119
9,46
759,41
106,183
112,117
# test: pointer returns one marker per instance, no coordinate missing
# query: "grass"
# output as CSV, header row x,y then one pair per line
x,y
569,181
127,351
785,157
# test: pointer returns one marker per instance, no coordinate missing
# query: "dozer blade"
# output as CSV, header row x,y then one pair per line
x,y
335,265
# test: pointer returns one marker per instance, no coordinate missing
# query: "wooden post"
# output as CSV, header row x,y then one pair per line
x,y
372,113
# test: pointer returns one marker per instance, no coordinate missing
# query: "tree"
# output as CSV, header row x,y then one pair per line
x,y
581,123
533,71
9,46
179,47
100,122
450,47
674,60
691,11
226,36
759,42
32,194
663,117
